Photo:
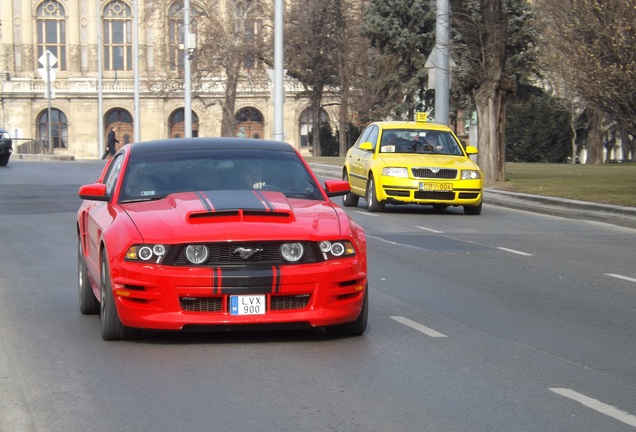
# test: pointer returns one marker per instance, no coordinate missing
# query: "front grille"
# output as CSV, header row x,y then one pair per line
x,y
441,196
428,173
215,304
224,253
468,195
289,302
397,193
202,304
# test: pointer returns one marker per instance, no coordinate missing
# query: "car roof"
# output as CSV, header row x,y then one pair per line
x,y
412,125
207,143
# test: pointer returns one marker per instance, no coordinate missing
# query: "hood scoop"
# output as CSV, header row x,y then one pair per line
x,y
242,206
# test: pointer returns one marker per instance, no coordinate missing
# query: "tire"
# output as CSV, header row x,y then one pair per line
x,y
349,200
88,303
373,205
4,160
473,210
112,328
353,328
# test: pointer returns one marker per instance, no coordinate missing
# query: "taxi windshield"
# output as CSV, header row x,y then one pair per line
x,y
419,141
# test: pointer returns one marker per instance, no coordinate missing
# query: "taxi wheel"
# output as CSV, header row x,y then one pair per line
x,y
473,210
87,301
112,328
349,200
373,205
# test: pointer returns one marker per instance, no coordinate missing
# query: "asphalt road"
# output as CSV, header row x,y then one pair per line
x,y
508,321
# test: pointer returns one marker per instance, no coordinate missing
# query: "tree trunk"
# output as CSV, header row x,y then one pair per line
x,y
595,138
228,122
491,110
316,102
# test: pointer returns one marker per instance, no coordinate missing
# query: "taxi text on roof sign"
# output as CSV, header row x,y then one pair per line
x,y
420,117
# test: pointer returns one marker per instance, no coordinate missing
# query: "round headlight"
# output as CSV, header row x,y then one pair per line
x,y
337,249
145,253
292,252
325,246
159,249
197,254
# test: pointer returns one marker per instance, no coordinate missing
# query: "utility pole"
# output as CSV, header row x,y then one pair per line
x,y
187,83
442,80
279,132
137,124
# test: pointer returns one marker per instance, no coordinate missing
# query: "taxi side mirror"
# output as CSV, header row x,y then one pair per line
x,y
471,150
366,146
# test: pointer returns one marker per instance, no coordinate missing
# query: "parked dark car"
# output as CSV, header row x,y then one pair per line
x,y
6,147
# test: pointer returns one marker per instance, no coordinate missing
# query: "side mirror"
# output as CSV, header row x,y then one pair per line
x,y
470,150
94,192
336,188
366,146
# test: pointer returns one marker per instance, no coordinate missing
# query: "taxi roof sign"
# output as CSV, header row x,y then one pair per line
x,y
420,117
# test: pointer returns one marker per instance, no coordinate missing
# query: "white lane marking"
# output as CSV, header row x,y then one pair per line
x,y
515,251
387,241
617,276
419,327
430,229
596,405
366,213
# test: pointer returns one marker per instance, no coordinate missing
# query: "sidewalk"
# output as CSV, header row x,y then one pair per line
x,y
566,208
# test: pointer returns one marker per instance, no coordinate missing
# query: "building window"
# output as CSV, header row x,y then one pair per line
x,y
177,124
59,130
251,121
51,31
306,126
117,36
176,31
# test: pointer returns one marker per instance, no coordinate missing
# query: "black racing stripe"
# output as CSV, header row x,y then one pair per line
x,y
204,201
264,200
276,270
234,200
248,280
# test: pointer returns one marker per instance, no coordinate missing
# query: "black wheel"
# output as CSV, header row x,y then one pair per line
x,y
88,303
4,160
112,328
473,210
354,328
373,205
349,200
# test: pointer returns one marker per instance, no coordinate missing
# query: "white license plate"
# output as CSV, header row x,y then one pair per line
x,y
436,186
247,305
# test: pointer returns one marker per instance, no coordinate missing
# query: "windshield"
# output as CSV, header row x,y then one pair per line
x,y
419,141
151,176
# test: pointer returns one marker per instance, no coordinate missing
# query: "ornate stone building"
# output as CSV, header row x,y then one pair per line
x,y
83,103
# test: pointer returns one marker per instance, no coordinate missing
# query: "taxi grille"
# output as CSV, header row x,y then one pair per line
x,y
437,196
428,173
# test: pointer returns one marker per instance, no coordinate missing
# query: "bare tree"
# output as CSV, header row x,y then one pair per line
x,y
310,52
596,47
493,44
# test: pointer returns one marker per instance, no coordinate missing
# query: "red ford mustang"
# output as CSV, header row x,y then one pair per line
x,y
218,233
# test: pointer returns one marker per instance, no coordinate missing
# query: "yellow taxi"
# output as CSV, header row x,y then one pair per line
x,y
412,162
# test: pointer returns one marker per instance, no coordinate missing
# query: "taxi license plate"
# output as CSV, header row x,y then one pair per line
x,y
247,305
436,186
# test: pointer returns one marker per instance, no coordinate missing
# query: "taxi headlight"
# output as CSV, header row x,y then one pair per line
x,y
395,172
470,175
197,254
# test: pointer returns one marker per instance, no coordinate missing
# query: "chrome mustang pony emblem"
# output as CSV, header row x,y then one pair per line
x,y
245,253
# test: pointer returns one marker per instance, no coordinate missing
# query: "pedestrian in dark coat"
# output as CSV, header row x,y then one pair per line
x,y
110,144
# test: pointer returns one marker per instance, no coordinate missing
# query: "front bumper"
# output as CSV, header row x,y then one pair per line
x,y
170,298
430,191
